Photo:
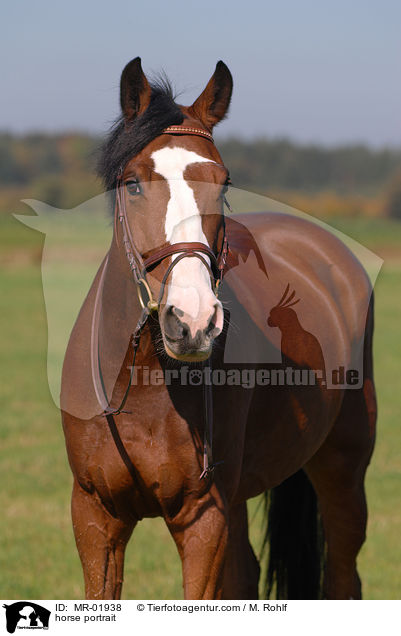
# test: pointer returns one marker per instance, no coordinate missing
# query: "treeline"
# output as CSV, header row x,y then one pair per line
x,y
26,158
60,169
284,165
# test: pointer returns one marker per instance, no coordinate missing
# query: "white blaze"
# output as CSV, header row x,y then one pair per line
x,y
189,287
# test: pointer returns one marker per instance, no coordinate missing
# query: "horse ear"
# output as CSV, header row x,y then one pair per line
x,y
212,105
134,90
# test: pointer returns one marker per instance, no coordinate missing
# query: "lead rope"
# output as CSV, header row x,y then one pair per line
x,y
208,464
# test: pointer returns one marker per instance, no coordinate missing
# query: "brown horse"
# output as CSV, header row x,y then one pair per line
x,y
137,447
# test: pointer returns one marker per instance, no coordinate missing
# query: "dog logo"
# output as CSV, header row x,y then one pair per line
x,y
26,615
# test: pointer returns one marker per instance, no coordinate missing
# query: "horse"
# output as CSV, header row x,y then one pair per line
x,y
179,274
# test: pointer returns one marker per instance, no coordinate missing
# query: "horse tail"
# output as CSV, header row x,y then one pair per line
x,y
294,539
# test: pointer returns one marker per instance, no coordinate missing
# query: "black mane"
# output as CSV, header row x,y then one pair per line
x,y
126,141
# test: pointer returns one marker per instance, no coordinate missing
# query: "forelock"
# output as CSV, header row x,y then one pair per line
x,y
126,141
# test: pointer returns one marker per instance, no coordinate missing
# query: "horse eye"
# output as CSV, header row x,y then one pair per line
x,y
133,187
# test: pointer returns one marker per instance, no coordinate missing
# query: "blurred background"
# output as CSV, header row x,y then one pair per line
x,y
315,123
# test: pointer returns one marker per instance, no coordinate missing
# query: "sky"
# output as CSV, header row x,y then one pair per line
x,y
315,71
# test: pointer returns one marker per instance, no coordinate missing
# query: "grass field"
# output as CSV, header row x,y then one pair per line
x,y
38,558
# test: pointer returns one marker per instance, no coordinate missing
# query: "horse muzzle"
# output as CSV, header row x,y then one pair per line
x,y
190,339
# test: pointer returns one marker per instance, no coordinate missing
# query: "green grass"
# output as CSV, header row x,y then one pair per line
x,y
371,232
38,558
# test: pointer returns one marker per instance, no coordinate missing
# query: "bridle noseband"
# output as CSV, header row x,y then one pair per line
x,y
140,266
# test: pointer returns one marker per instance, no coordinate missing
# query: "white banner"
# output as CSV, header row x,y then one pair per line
x,y
330,618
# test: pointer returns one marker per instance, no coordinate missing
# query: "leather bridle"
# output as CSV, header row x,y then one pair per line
x,y
140,267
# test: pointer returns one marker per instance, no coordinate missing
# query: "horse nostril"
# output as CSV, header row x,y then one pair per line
x,y
212,323
173,327
210,326
176,311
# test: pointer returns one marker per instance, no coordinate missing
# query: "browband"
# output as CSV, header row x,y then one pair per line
x,y
187,130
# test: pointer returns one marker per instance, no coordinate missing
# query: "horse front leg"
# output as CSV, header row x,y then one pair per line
x,y
101,541
200,531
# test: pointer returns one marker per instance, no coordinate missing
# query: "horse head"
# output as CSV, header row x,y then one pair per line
x,y
170,183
